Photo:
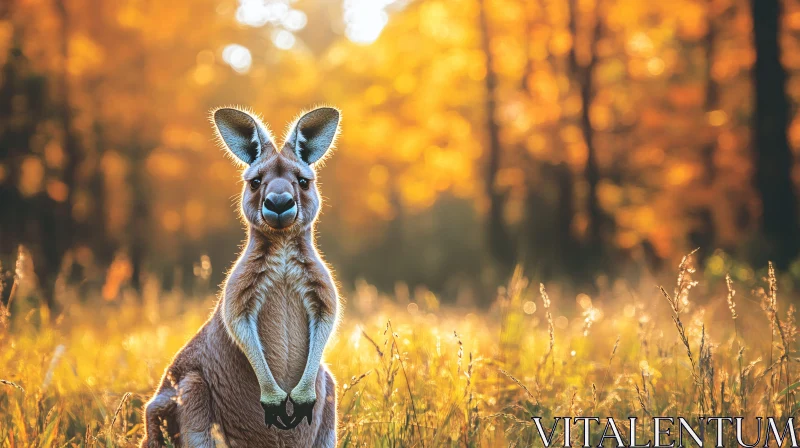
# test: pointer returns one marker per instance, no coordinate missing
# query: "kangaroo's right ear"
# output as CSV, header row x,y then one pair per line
x,y
242,135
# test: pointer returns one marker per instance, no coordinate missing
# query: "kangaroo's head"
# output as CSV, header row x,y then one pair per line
x,y
280,192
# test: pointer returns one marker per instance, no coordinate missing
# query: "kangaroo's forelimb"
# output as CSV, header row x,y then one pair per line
x,y
241,323
321,308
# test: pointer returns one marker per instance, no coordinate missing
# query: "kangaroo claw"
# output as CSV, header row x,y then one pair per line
x,y
301,412
276,414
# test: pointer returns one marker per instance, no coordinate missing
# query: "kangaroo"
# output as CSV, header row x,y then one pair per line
x,y
276,312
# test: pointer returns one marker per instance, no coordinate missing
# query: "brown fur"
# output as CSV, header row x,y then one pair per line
x,y
210,392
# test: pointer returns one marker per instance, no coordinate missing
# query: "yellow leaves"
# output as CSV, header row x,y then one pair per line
x,y
572,105
509,55
409,146
299,77
644,219
477,68
164,165
655,66
647,156
31,176
560,42
130,16
609,195
195,217
203,74
118,273
576,154
171,221
537,145
6,34
625,12
417,193
600,116
57,190
794,132
379,175
571,134
652,118
681,173
637,223
510,177
84,55
692,20
717,117
175,136
792,20
375,95
640,44
195,211
379,205
405,83
686,96
433,20
545,85
627,239
54,154
642,68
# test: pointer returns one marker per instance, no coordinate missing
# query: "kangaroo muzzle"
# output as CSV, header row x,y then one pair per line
x,y
279,210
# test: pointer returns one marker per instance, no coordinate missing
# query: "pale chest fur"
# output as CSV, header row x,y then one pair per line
x,y
282,317
284,275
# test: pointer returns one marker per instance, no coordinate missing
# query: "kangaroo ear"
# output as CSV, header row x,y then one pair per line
x,y
314,133
241,134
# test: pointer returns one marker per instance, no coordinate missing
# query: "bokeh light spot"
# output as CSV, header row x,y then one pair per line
x,y
238,57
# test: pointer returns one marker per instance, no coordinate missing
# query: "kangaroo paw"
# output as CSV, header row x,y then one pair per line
x,y
275,414
302,410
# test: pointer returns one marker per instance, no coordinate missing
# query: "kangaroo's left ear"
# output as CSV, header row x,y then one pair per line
x,y
314,134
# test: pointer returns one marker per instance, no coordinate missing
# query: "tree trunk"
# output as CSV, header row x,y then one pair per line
x,y
773,156
498,237
56,214
584,74
704,236
559,257
140,212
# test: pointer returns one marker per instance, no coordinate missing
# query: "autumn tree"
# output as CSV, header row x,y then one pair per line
x,y
498,239
773,156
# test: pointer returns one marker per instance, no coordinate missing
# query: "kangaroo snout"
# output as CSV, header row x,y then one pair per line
x,y
279,203
279,209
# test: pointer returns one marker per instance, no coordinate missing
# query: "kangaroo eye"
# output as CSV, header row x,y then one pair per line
x,y
255,183
303,182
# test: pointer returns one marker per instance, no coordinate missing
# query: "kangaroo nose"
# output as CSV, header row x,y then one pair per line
x,y
278,202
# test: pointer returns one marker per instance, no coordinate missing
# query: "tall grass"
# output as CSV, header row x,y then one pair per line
x,y
425,375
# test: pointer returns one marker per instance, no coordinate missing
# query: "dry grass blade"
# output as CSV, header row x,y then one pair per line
x,y
641,400
550,326
519,383
676,318
354,381
12,384
731,294
371,341
119,408
405,374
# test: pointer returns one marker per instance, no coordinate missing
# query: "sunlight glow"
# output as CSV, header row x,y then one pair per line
x,y
277,13
283,39
365,19
295,20
238,57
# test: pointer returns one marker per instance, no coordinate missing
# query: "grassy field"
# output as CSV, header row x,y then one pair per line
x,y
420,374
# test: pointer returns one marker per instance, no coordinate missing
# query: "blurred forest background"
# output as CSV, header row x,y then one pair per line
x,y
576,137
